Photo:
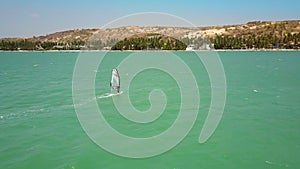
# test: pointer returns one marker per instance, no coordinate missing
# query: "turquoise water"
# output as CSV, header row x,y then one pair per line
x,y
259,128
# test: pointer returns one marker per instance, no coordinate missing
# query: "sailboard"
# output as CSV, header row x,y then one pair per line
x,y
114,85
115,81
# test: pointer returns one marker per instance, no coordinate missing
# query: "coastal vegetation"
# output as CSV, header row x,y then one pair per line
x,y
265,41
253,35
149,42
25,44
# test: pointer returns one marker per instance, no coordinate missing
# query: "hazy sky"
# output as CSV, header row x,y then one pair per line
x,y
26,18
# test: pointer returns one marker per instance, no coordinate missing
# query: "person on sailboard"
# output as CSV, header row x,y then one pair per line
x,y
117,88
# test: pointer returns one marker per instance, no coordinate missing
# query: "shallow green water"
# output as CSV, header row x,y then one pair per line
x,y
259,128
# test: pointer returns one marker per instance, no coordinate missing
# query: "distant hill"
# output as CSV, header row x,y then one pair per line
x,y
253,35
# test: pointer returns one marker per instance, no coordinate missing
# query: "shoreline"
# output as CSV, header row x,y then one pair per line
x,y
214,50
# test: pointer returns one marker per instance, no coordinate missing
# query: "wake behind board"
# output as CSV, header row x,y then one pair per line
x,y
109,95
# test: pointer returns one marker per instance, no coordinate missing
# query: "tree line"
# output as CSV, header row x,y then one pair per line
x,y
253,41
150,42
25,44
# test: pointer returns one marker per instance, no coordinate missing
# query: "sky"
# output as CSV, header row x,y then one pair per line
x,y
27,18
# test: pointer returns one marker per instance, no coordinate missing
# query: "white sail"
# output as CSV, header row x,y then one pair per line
x,y
115,80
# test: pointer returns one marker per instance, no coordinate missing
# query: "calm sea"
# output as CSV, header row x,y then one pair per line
x,y
260,126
